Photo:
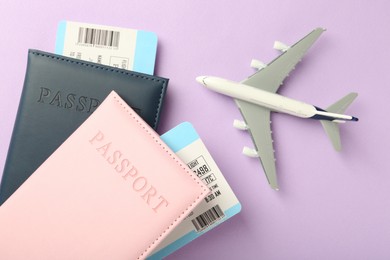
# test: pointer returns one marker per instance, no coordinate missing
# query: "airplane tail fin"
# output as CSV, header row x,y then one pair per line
x,y
332,128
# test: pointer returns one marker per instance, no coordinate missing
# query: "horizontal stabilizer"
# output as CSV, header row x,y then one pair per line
x,y
341,105
332,128
333,132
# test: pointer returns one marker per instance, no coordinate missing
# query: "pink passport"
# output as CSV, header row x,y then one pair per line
x,y
112,190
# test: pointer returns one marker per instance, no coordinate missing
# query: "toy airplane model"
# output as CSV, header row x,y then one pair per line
x,y
256,97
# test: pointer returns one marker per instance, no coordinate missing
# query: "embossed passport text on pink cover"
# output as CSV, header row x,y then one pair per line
x,y
112,190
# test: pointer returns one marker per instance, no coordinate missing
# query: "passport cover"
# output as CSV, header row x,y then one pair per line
x,y
59,93
112,190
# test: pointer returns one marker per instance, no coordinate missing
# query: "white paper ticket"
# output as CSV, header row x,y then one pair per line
x,y
220,205
114,46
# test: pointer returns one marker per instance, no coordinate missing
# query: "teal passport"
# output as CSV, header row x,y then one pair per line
x,y
59,93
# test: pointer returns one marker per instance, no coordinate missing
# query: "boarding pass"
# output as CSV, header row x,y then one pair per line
x,y
114,46
220,205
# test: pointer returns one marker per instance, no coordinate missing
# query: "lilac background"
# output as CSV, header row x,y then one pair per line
x,y
331,205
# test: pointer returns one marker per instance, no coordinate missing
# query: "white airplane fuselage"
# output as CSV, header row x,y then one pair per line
x,y
272,101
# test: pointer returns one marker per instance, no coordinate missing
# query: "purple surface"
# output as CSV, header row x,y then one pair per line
x,y
331,205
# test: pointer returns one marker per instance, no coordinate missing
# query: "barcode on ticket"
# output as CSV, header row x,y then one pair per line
x,y
207,218
98,37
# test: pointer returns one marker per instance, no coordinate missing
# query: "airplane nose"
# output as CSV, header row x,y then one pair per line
x,y
201,79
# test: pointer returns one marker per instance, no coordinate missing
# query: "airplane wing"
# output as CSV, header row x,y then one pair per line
x,y
271,77
257,118
259,126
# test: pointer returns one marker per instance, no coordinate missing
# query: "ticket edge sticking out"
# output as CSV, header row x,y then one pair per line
x,y
145,52
180,136
177,138
145,47
60,37
187,238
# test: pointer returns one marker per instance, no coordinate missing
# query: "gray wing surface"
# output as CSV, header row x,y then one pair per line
x,y
257,118
331,128
271,77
